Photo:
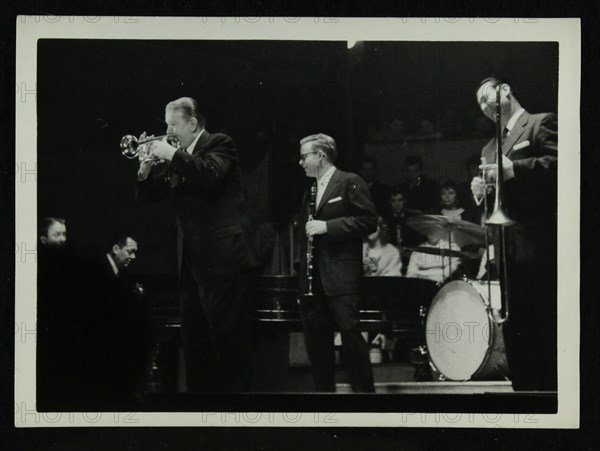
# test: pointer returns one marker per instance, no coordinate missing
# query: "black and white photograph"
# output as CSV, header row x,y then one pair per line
x,y
334,223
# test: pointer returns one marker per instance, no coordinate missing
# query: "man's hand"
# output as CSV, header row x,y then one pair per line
x,y
507,169
161,150
316,228
478,187
145,161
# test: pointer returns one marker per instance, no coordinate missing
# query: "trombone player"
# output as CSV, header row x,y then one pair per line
x,y
529,162
202,176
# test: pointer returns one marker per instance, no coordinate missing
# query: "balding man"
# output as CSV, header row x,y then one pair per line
x,y
202,176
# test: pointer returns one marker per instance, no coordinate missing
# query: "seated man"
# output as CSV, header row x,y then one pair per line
x,y
57,361
433,267
421,192
117,332
380,258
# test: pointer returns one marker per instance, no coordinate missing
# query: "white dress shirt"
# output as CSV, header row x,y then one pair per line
x,y
513,120
323,181
113,265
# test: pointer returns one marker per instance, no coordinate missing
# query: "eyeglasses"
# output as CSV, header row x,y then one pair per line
x,y
304,156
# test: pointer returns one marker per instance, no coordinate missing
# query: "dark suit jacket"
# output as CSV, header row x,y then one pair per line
x,y
532,146
348,210
207,195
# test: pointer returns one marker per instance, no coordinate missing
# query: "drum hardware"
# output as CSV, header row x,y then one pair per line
x,y
422,311
447,228
450,229
443,252
463,342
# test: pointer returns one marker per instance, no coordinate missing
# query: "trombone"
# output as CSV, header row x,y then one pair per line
x,y
499,219
132,148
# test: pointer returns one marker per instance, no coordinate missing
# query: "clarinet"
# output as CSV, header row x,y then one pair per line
x,y
309,245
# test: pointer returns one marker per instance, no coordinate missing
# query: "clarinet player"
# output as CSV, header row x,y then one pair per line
x,y
343,214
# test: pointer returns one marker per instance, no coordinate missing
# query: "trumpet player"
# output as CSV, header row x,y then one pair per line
x,y
529,161
344,214
202,176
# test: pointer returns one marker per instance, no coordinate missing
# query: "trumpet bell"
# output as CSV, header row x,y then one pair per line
x,y
129,146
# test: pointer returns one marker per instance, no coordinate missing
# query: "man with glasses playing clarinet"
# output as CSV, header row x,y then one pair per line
x,y
343,213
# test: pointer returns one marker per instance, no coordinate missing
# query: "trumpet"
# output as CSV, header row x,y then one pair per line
x,y
132,148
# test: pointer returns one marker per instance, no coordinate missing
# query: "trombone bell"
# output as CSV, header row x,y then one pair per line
x,y
499,218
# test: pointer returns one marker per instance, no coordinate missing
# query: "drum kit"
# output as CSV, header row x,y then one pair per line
x,y
463,326
463,341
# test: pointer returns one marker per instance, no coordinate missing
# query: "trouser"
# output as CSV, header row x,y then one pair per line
x,y
321,316
530,333
216,332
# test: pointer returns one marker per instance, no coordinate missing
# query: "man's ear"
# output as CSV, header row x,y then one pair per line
x,y
115,249
194,122
43,239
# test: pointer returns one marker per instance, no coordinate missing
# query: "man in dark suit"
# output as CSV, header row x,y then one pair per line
x,y
115,322
56,359
344,215
203,177
530,159
422,193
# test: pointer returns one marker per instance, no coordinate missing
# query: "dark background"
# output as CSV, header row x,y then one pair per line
x,y
267,95
301,438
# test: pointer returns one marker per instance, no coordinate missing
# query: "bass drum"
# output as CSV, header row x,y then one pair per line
x,y
462,342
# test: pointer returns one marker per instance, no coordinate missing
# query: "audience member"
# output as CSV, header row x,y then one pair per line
x,y
433,267
380,258
422,193
401,235
450,205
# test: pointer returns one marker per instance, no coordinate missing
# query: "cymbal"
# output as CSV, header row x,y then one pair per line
x,y
444,252
448,228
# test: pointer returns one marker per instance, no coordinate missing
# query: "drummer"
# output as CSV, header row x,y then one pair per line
x,y
433,267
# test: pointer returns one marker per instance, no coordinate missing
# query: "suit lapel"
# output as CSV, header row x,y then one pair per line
x,y
200,145
515,133
331,187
